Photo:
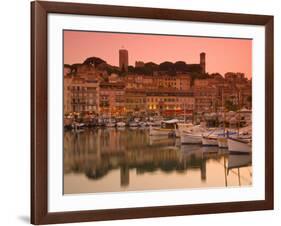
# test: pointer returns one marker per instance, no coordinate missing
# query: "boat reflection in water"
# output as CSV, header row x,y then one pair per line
x,y
113,160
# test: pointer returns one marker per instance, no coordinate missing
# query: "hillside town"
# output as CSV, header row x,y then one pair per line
x,y
155,122
168,89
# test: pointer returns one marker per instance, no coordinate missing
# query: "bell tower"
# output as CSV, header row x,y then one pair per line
x,y
203,62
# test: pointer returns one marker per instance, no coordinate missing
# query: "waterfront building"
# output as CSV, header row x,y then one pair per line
x,y
112,98
212,94
206,98
81,95
135,101
169,102
67,108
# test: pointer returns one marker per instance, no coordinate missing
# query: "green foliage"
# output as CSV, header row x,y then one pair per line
x,y
149,68
166,66
230,106
249,99
94,61
180,66
111,70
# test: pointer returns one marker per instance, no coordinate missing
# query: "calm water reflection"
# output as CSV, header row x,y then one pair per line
x,y
111,160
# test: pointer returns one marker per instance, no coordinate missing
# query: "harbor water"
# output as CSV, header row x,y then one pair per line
x,y
128,159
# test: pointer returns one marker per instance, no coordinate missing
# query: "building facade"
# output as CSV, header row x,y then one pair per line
x,y
169,102
112,98
81,95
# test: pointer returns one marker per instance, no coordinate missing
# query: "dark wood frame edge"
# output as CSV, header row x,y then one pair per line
x,y
39,107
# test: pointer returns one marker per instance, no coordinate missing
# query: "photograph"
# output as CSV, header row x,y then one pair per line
x,y
147,112
150,112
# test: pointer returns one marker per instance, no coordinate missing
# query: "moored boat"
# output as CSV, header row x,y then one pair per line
x,y
192,135
78,127
133,124
222,142
110,124
239,145
182,126
121,124
190,138
209,140
154,123
142,124
167,128
159,131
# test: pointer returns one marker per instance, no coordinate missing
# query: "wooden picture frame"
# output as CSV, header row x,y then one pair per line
x,y
39,112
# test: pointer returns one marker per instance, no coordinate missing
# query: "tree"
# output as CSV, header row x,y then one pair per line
x,y
166,66
230,106
249,99
180,66
94,61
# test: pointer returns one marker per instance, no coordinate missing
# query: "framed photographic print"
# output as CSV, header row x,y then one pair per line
x,y
145,112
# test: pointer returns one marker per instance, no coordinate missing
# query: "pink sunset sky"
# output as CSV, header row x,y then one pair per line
x,y
222,54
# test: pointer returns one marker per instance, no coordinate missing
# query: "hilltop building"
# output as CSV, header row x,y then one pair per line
x,y
123,60
203,62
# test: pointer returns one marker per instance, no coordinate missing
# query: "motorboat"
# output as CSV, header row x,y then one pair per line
x,y
167,128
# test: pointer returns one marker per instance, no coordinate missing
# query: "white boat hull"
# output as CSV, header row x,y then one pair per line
x,y
121,124
142,124
182,127
235,145
190,139
154,124
110,125
222,142
159,131
209,141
